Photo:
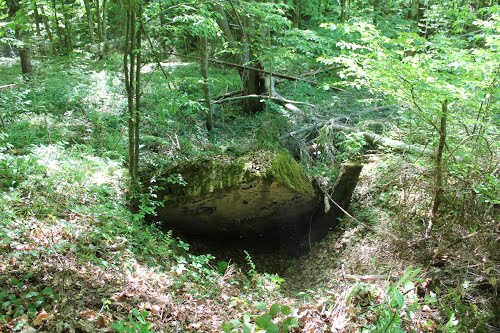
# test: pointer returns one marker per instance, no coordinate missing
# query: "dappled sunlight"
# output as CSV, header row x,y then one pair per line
x,y
104,93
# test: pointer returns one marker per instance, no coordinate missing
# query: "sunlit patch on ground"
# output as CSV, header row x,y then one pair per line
x,y
104,93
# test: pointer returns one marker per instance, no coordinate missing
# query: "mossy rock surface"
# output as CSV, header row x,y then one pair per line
x,y
248,196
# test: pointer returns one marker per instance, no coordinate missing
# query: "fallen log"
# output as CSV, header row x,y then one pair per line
x,y
379,140
371,138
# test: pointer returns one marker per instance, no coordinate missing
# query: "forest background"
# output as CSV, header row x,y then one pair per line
x,y
96,94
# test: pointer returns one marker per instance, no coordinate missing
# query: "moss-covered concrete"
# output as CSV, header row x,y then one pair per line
x,y
260,198
252,194
211,174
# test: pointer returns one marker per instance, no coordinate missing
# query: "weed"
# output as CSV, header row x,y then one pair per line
x,y
23,299
278,318
137,323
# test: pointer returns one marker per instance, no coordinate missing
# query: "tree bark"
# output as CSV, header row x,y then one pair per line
x,y
415,5
296,13
68,33
343,15
438,187
137,95
58,26
98,19
131,68
37,19
46,25
104,30
25,56
249,77
24,53
258,70
206,86
90,21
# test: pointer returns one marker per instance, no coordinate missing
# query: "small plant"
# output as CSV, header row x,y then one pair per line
x,y
390,312
23,300
137,323
265,282
278,318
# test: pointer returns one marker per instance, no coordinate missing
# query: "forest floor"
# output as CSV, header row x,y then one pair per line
x,y
74,259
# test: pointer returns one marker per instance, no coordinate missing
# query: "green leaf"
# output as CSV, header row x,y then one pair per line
x,y
286,310
246,318
16,283
226,327
290,323
398,298
261,306
235,322
272,328
247,328
264,320
274,310
31,294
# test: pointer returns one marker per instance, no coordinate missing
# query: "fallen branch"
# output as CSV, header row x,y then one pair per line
x,y
9,86
369,277
396,144
272,98
227,95
369,137
438,252
322,70
262,71
321,123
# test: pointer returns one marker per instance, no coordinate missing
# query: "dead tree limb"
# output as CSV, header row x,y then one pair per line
x,y
368,278
262,71
374,139
322,122
272,98
9,86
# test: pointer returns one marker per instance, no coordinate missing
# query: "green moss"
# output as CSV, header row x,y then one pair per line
x,y
286,170
209,174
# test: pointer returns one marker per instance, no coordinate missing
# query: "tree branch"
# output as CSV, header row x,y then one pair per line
x,y
262,71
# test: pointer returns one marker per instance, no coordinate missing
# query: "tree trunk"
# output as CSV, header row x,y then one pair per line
x,y
250,77
104,22
131,68
25,56
438,189
137,94
68,33
90,21
37,19
415,5
58,26
296,14
206,86
99,20
46,25
24,53
376,10
343,15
